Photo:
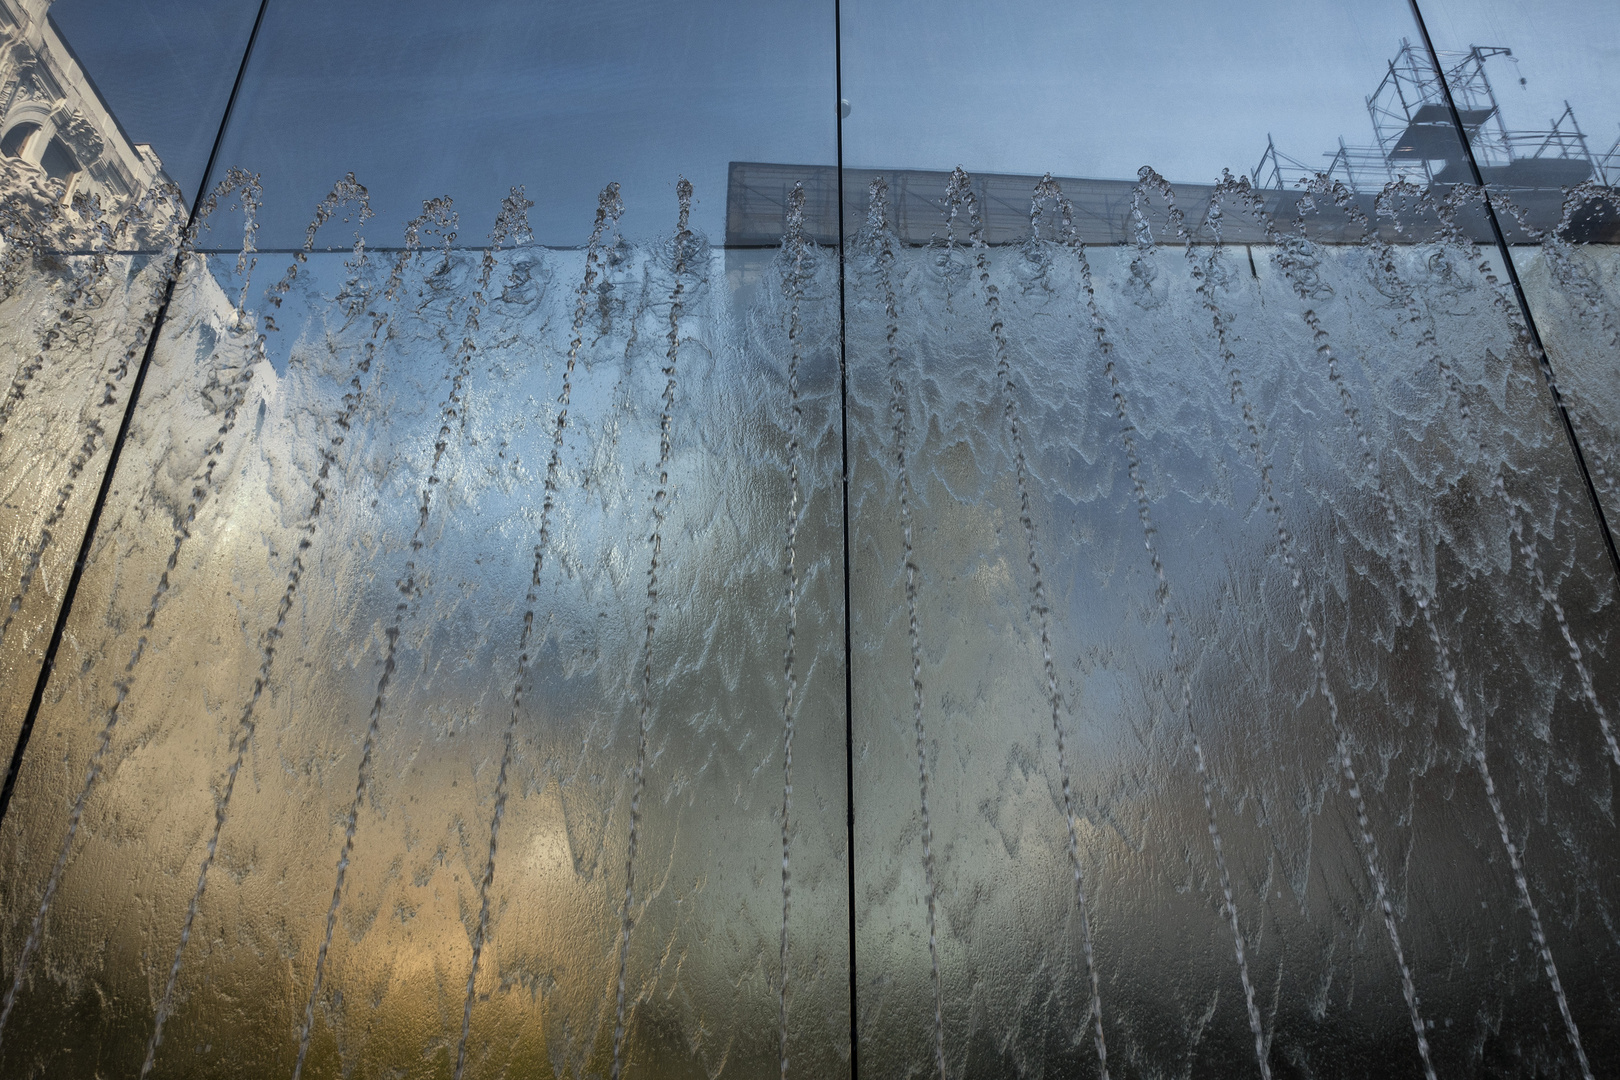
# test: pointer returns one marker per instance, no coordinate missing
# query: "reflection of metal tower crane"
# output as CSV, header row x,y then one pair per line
x,y
1409,115
1414,127
1417,137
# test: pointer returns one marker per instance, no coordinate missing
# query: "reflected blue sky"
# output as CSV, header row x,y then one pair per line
x,y
1100,89
421,99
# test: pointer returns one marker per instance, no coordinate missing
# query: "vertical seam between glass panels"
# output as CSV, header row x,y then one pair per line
x,y
1544,361
843,430
93,523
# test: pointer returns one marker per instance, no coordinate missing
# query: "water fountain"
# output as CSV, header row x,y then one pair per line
x,y
373,745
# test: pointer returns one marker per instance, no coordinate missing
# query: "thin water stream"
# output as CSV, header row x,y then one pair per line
x,y
960,193
1049,190
1205,273
511,224
797,245
681,253
878,226
436,217
346,191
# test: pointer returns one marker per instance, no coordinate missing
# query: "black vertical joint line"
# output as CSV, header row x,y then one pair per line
x,y
843,433
1518,292
91,526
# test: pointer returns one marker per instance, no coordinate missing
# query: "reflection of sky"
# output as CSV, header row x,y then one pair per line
x,y
1099,89
420,100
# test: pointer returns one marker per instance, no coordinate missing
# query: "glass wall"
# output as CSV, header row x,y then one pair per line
x,y
426,713
1548,150
89,213
779,539
1237,713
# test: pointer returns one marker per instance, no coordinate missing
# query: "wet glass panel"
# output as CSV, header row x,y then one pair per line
x,y
98,163
1544,116
1232,689
419,101
402,728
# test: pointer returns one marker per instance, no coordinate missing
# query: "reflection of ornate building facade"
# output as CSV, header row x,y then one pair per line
x,y
53,121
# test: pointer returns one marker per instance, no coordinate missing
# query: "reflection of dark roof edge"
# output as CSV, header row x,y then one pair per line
x,y
91,82
757,194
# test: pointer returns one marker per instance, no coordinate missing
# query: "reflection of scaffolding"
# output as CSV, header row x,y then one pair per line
x,y
1359,168
1417,135
1411,122
1608,166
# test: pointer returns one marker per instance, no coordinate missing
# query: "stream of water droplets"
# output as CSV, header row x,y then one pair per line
x,y
681,252
1204,272
436,217
793,282
345,192
960,193
1048,189
878,226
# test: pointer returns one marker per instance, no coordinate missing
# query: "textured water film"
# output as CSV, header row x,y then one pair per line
x,y
337,525
76,309
1574,294
404,725
985,630
1228,381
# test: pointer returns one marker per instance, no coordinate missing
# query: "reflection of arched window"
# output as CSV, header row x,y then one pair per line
x,y
16,139
58,161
